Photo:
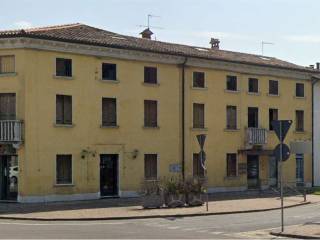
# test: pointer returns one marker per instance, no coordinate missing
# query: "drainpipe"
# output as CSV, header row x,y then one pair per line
x,y
183,65
314,81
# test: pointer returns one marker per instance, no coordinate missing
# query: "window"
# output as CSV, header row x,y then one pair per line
x,y
232,83
253,85
198,170
198,79
63,109
253,117
299,168
198,115
231,117
299,90
7,106
150,166
109,71
64,169
299,121
231,165
150,75
150,113
109,112
273,115
7,64
273,87
63,67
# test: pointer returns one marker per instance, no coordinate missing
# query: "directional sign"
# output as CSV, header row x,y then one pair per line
x,y
201,139
284,125
285,152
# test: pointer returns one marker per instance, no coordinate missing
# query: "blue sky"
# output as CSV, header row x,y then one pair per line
x,y
241,25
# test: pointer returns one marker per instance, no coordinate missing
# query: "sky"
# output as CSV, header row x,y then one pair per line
x,y
241,25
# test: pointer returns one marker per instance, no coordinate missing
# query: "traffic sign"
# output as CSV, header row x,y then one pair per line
x,y
285,152
281,128
202,156
201,139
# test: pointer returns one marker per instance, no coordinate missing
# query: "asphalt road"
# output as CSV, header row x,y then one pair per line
x,y
231,226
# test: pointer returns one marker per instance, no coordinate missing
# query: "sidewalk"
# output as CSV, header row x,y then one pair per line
x,y
130,208
305,231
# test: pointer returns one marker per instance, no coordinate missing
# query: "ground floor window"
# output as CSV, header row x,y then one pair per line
x,y
150,166
231,164
64,169
198,170
299,168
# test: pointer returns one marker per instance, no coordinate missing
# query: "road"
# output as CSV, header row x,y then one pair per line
x,y
231,226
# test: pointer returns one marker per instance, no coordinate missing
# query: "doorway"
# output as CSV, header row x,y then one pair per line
x,y
253,117
109,178
8,177
253,171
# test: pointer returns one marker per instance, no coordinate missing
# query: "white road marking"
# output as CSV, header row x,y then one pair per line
x,y
63,224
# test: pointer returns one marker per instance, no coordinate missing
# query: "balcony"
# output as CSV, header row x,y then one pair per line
x,y
11,131
256,136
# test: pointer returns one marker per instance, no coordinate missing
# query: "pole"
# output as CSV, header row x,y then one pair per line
x,y
281,180
205,178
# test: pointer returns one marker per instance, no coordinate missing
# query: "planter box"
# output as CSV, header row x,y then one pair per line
x,y
152,201
175,200
196,199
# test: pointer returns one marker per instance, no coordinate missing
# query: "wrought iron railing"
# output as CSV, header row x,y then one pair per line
x,y
256,136
11,131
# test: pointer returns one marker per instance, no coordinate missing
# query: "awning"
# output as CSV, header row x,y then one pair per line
x,y
264,152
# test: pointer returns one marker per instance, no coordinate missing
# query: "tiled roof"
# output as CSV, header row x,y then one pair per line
x,y
81,33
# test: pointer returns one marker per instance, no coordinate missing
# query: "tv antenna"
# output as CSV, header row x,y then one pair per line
x,y
149,16
262,46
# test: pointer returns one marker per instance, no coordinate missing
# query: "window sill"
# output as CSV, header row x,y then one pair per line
x,y
8,74
231,130
254,93
299,132
109,81
273,95
147,127
58,125
296,97
111,127
199,129
232,177
64,185
231,91
63,77
199,88
150,84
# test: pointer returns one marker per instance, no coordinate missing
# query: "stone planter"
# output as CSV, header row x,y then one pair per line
x,y
152,201
175,200
196,199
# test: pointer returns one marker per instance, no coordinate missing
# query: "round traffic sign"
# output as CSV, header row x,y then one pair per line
x,y
285,152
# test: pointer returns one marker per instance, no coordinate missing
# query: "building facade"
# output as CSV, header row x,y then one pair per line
x,y
87,113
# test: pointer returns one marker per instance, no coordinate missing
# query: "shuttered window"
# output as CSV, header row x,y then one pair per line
x,y
231,164
150,166
253,85
198,79
198,170
63,109
232,83
7,64
7,106
299,90
198,115
150,75
64,169
273,87
231,117
63,67
299,120
109,112
109,71
150,113
273,115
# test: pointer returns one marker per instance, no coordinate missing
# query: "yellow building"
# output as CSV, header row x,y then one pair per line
x,y
86,113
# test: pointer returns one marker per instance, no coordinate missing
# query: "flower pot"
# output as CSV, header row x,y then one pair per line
x,y
175,200
195,199
152,201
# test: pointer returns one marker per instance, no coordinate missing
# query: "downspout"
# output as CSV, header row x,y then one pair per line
x,y
183,65
313,82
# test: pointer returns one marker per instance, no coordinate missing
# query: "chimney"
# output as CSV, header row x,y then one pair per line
x,y
311,66
318,65
146,33
215,43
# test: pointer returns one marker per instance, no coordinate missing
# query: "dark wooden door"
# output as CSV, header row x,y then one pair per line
x,y
7,106
109,174
8,177
253,171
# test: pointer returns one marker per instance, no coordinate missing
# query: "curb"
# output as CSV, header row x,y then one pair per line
x,y
150,216
288,235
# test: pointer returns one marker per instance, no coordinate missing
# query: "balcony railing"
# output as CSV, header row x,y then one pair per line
x,y
256,136
11,131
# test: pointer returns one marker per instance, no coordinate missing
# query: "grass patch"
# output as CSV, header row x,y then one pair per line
x,y
316,191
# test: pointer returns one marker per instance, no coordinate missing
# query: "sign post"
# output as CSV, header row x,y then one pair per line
x,y
201,140
282,153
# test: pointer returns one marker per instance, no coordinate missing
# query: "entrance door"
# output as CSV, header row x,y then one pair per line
x,y
273,171
8,177
253,171
109,174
